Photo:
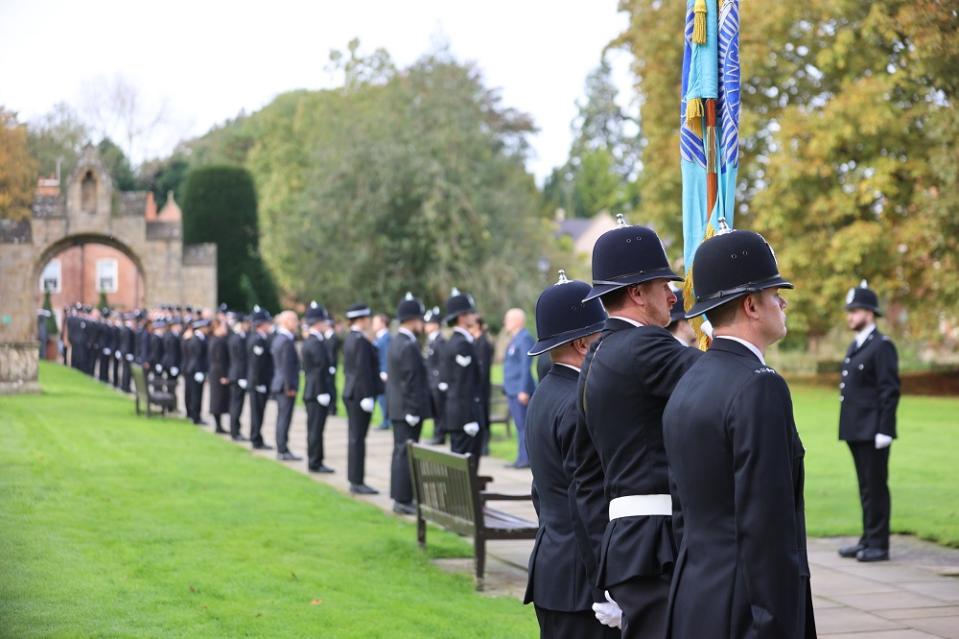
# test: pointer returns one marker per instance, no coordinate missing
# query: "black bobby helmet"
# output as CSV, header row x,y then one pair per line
x,y
409,308
562,315
863,297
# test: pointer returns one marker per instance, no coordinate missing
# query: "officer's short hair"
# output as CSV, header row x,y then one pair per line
x,y
724,314
614,299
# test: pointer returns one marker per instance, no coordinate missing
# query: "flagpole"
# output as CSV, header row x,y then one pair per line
x,y
712,170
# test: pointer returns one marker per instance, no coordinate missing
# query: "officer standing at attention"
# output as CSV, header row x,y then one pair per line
x,y
464,412
627,378
236,345
434,362
172,352
361,366
155,352
286,380
518,384
408,393
736,460
219,371
259,375
381,340
868,398
127,348
317,395
333,345
559,586
485,352
198,365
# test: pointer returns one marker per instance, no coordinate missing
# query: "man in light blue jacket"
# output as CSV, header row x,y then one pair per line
x,y
381,330
518,384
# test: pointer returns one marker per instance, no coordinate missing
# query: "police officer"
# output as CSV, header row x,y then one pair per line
x,y
558,585
461,368
172,352
196,368
869,396
434,361
408,393
286,380
333,345
219,371
260,374
317,394
362,385
736,460
155,347
627,378
127,349
236,345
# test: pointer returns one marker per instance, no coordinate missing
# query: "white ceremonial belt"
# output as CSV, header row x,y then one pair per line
x,y
640,506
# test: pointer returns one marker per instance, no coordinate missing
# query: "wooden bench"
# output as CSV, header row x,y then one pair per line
x,y
156,393
499,408
449,492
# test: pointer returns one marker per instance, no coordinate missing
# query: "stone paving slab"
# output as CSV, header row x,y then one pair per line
x,y
906,598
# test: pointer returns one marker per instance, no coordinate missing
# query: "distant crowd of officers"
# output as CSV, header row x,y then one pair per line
x,y
668,481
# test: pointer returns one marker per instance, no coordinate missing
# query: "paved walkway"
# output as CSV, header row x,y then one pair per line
x,y
914,596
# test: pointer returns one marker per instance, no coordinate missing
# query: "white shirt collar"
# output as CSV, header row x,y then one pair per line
x,y
752,347
199,334
432,336
317,334
864,334
676,337
626,319
407,332
284,332
575,368
328,333
465,333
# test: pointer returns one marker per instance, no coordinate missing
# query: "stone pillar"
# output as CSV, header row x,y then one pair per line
x,y
18,340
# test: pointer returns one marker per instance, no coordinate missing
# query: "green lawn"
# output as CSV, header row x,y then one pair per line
x,y
113,525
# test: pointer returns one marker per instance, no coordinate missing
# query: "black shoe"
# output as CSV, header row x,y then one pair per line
x,y
220,431
872,554
326,470
363,489
262,447
850,552
288,456
238,438
403,509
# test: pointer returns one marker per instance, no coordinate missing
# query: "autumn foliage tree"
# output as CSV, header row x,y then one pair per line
x,y
18,169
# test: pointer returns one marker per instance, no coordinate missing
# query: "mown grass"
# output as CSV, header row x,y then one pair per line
x,y
118,526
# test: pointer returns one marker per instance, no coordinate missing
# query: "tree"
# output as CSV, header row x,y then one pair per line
x,y
56,139
219,206
51,319
18,169
117,165
166,176
116,108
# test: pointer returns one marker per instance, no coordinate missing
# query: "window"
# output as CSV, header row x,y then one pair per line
x,y
107,275
50,277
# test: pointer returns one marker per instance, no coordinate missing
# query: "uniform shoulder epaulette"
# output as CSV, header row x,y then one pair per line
x,y
765,370
886,338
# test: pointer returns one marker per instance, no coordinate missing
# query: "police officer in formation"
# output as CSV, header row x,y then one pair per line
x,y
627,378
736,459
286,381
196,367
408,394
559,585
172,350
435,341
318,394
868,399
461,369
259,374
333,347
219,370
237,372
362,385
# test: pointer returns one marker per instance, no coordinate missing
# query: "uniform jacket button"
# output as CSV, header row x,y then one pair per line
x,y
844,372
860,367
842,385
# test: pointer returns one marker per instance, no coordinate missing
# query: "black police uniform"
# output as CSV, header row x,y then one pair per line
x,y
172,356
736,466
196,369
407,394
333,345
286,380
869,397
435,343
362,371
258,379
105,347
127,348
559,583
316,364
219,391
155,350
116,335
236,345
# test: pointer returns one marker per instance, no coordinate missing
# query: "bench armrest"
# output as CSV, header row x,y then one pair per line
x,y
488,496
484,481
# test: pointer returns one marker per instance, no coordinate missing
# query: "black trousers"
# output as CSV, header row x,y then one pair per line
x,y
187,394
284,414
315,424
195,401
359,425
257,408
116,370
173,381
125,376
401,486
872,471
644,601
236,408
105,367
556,624
462,443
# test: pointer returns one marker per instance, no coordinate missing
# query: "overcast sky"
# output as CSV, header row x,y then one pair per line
x,y
206,61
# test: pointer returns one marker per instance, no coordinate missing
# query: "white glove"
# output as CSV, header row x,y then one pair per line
x,y
106,351
442,386
323,399
129,357
383,376
116,354
241,383
609,613
261,388
367,404
707,328
883,441
412,420
471,429
198,377
332,370
174,371
158,368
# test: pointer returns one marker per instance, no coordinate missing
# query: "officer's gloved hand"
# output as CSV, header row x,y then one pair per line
x,y
608,612
367,404
106,351
412,420
323,399
383,375
241,383
332,370
129,357
883,441
471,429
174,371
198,377
442,386
261,388
116,354
158,368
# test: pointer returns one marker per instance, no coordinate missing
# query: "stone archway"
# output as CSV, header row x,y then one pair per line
x,y
87,209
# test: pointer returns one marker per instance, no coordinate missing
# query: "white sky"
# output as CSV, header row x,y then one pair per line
x,y
205,60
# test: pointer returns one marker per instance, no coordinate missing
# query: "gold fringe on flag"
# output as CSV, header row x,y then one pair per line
x,y
694,115
689,298
699,22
